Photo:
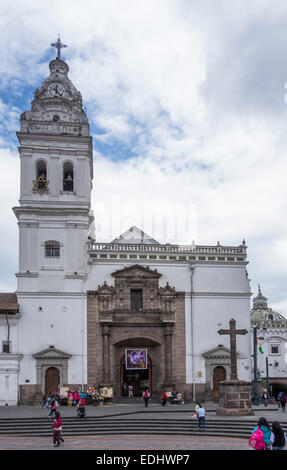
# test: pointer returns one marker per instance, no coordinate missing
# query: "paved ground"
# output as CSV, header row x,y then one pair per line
x,y
135,410
126,442
134,442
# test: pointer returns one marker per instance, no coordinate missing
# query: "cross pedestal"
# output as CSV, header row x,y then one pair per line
x,y
235,398
234,394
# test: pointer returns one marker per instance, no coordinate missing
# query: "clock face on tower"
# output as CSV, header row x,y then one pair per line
x,y
56,89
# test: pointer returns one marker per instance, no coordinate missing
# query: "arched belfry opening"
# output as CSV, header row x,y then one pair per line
x,y
41,169
68,177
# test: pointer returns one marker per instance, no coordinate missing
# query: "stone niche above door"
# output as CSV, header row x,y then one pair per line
x,y
136,297
136,279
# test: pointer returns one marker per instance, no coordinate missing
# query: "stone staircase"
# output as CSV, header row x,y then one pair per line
x,y
131,400
73,426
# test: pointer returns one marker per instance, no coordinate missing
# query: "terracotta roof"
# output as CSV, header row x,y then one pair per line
x,y
8,303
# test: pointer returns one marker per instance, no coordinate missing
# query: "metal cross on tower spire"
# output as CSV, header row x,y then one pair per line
x,y
58,45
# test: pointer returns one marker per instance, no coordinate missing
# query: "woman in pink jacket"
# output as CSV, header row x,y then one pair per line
x,y
57,428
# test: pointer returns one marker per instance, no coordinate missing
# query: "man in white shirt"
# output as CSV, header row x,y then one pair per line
x,y
201,413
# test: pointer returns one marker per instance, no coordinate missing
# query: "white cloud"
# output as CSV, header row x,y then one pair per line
x,y
172,82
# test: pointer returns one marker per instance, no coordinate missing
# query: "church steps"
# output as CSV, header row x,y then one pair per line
x,y
94,426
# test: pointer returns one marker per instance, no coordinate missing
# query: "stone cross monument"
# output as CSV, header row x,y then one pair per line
x,y
234,394
232,332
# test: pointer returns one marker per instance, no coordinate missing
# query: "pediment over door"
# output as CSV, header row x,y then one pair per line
x,y
215,359
217,353
136,271
51,353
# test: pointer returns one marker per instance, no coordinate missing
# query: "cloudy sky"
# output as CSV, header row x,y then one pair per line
x,y
186,101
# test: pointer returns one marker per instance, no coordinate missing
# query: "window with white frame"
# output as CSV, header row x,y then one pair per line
x,y
52,249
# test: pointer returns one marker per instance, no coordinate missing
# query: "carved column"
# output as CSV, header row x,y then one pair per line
x,y
106,354
168,355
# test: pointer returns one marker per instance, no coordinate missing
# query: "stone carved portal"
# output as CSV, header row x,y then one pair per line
x,y
115,325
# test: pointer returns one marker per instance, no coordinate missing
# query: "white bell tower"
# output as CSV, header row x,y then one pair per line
x,y
54,214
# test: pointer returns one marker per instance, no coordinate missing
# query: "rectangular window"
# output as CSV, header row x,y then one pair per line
x,y
52,250
6,346
136,300
274,349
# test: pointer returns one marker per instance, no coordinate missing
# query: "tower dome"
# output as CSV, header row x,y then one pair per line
x,y
57,105
263,316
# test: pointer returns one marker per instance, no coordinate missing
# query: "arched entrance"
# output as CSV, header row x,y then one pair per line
x,y
140,379
277,387
219,374
52,380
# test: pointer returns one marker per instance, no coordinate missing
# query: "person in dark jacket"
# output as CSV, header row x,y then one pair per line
x,y
81,411
283,401
278,437
146,397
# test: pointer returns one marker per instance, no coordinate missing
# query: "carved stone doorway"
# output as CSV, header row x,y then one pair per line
x,y
219,374
139,379
52,380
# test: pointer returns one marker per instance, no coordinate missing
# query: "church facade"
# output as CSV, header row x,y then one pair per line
x,y
83,309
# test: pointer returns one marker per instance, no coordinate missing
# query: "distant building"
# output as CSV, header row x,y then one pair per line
x,y
271,342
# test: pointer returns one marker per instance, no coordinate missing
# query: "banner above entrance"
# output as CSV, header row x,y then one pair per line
x,y
136,359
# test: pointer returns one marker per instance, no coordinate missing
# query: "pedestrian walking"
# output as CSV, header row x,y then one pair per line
x,y
125,390
53,407
146,397
265,428
76,398
131,388
82,397
44,401
201,414
197,405
164,398
283,401
57,428
265,398
278,437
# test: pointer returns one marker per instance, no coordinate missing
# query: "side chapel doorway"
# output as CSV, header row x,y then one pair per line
x,y
52,380
219,374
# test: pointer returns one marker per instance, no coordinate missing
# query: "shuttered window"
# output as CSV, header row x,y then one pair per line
x,y
136,300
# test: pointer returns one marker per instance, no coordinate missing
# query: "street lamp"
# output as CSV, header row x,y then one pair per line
x,y
255,381
267,377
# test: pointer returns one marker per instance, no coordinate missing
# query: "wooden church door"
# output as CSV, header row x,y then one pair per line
x,y
52,380
219,374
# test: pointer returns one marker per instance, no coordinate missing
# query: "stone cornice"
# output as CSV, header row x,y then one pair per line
x,y
57,210
221,294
